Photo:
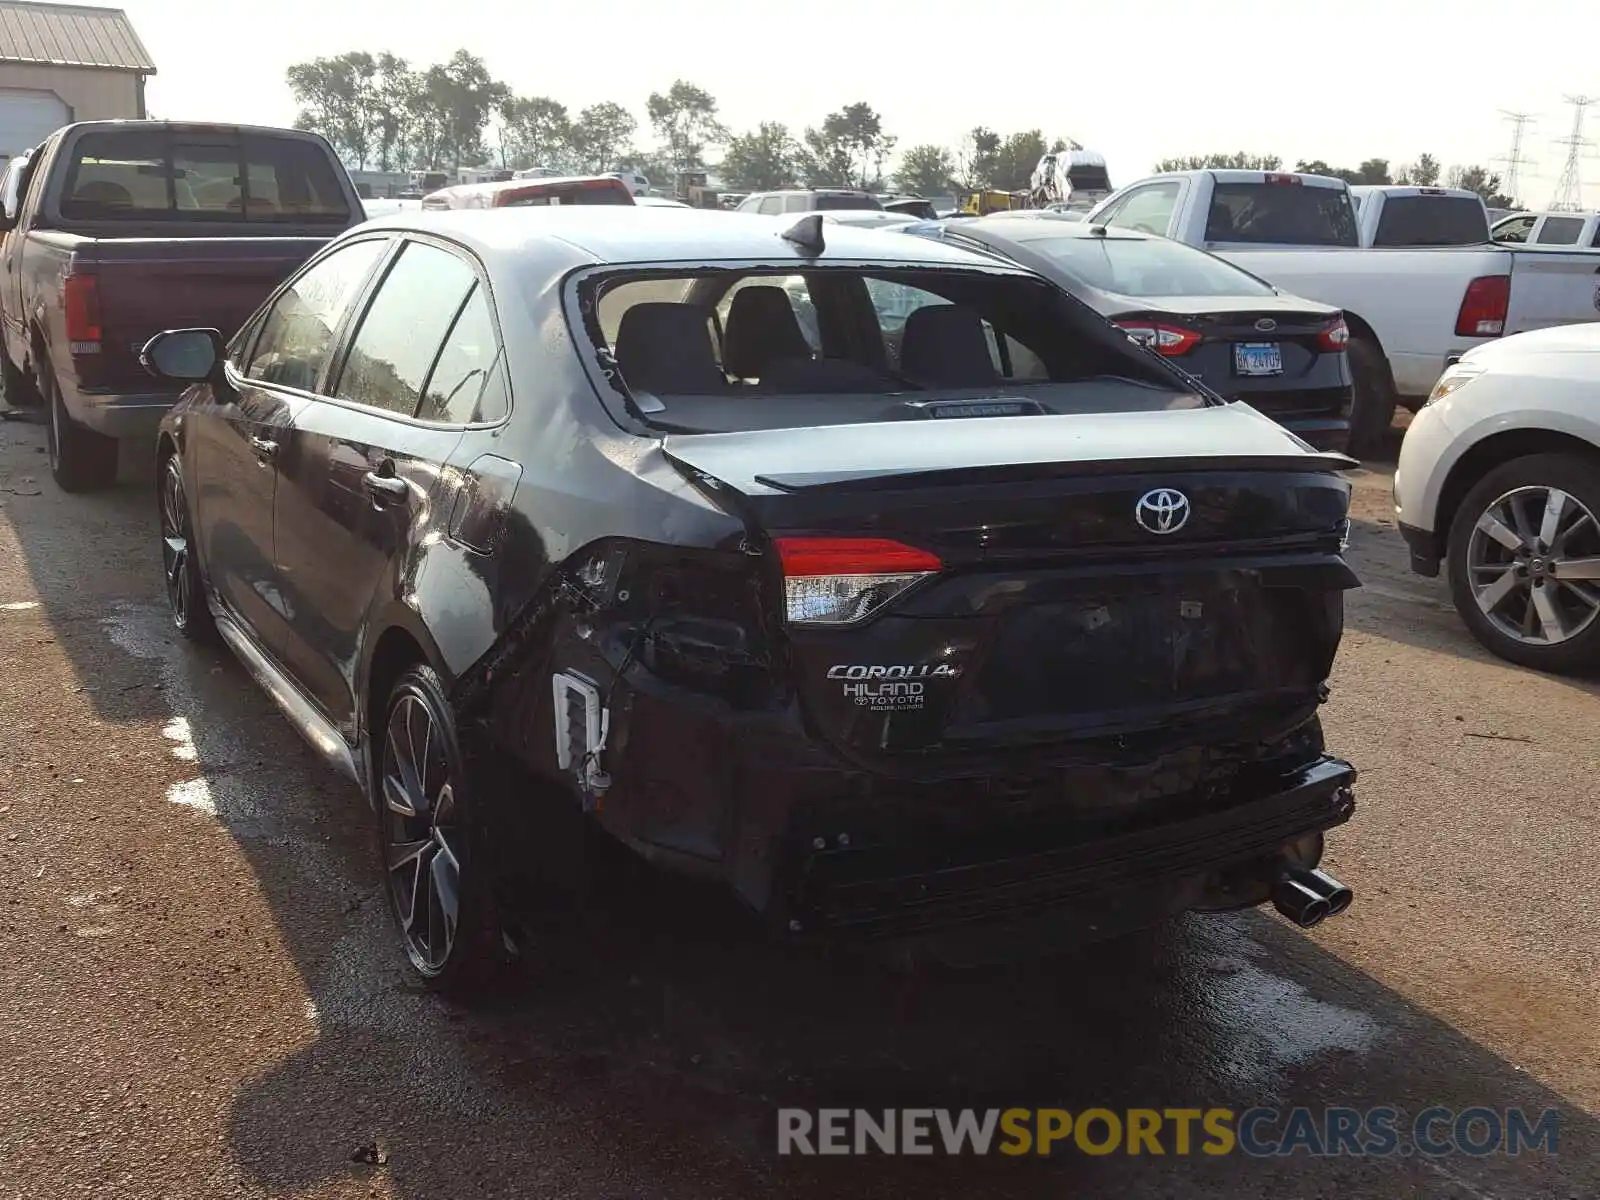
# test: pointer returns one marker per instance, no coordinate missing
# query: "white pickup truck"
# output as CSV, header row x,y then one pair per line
x,y
1410,311
1402,216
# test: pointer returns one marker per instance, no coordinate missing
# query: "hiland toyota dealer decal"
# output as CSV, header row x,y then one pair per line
x,y
889,688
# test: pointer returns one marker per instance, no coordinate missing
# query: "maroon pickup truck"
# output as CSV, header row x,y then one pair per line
x,y
116,230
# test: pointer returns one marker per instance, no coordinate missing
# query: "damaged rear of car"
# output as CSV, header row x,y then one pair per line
x,y
985,619
878,580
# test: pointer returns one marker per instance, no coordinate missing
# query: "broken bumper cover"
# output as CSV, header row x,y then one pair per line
x,y
1122,879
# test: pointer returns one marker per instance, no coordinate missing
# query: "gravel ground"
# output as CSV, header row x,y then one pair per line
x,y
202,999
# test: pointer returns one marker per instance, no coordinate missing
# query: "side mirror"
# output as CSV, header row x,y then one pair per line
x,y
183,355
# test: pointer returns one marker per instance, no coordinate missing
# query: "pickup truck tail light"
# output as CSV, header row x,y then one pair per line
x,y
1167,340
1335,337
838,581
1483,308
80,297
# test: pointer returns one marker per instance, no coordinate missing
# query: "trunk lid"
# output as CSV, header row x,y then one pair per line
x,y
146,285
1058,610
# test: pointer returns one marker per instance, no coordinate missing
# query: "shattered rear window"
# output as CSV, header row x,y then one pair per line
x,y
728,350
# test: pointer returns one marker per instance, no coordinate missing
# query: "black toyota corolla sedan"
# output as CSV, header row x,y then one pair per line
x,y
1245,339
944,609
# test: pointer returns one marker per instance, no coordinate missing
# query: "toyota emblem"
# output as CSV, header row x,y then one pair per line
x,y
1266,325
1162,510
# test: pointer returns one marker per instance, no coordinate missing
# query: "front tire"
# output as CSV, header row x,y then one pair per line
x,y
1523,561
186,597
81,460
435,873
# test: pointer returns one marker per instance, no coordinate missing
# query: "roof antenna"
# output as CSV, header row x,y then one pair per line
x,y
806,234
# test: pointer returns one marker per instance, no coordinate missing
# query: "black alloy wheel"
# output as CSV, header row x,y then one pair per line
x,y
427,836
185,594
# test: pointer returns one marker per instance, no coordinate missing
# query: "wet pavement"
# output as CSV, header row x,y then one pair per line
x,y
203,999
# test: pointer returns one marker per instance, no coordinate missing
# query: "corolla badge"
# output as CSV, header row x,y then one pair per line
x,y
1266,325
1162,510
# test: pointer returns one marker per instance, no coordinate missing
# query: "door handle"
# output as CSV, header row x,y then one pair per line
x,y
386,487
265,448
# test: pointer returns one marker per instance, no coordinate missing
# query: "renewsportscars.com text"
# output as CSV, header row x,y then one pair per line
x,y
1255,1132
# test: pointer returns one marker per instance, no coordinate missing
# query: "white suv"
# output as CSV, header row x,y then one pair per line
x,y
1499,480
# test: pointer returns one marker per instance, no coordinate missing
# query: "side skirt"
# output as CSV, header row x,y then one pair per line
x,y
317,730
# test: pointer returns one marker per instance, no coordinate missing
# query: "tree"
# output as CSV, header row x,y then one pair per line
x,y
926,170
850,147
1422,173
978,158
762,160
1482,181
464,94
1240,160
685,118
535,131
600,133
395,87
1374,170
335,97
1317,166
1016,159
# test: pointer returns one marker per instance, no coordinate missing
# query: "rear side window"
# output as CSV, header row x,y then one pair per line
x,y
841,201
771,205
403,329
164,174
1291,214
297,333
1431,221
1560,231
456,389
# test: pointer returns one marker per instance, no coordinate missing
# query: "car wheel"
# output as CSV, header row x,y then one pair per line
x,y
186,596
1524,562
1372,400
81,460
438,888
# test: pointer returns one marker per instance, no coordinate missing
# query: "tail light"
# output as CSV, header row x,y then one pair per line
x,y
1168,340
81,298
1335,337
839,581
1483,308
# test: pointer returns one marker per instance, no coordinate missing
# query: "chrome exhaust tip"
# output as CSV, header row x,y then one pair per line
x,y
1298,902
1338,895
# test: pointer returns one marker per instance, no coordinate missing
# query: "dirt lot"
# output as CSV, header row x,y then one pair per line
x,y
201,998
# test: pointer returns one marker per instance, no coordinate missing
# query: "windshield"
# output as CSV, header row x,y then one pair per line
x,y
1431,221
1145,266
161,174
726,351
1288,214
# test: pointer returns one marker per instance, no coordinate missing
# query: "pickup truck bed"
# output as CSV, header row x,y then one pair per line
x,y
140,286
116,230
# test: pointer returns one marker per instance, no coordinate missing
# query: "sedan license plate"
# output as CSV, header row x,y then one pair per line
x,y
1257,358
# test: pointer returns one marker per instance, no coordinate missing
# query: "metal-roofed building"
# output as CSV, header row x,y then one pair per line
x,y
61,63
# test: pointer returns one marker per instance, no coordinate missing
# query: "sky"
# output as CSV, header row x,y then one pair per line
x,y
1341,81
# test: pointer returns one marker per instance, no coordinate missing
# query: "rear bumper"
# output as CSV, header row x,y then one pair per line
x,y
117,414
1102,881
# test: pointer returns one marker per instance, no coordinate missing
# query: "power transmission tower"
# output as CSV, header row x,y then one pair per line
x,y
1515,161
1569,188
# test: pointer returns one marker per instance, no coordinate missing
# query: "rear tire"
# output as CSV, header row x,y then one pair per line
x,y
1372,401
436,869
1515,621
81,460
